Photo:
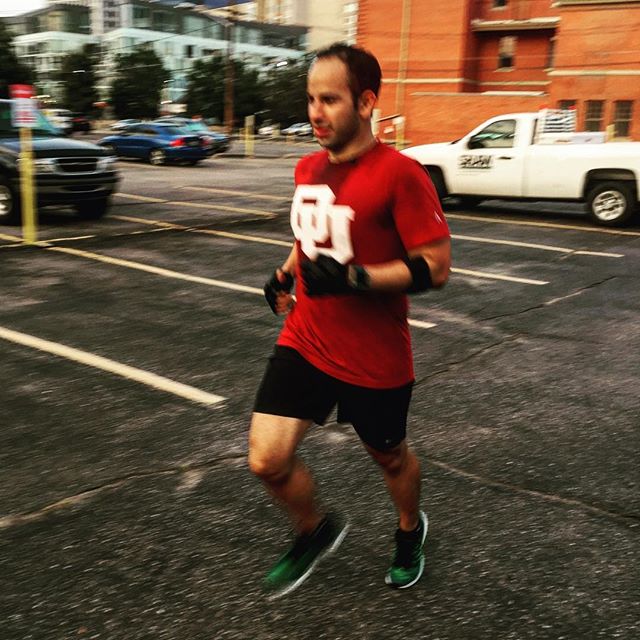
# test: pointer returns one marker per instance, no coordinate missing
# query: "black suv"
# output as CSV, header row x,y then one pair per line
x,y
66,172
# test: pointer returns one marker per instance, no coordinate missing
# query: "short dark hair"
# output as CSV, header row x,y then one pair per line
x,y
363,69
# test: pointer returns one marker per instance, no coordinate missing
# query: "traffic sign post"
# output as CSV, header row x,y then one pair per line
x,y
23,115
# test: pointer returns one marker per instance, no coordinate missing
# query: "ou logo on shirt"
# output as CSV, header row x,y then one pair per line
x,y
320,226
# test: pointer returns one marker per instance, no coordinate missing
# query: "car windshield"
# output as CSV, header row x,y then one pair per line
x,y
43,126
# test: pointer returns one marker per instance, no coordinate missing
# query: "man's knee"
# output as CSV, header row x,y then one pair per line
x,y
269,466
393,461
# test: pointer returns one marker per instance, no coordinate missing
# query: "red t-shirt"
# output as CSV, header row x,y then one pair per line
x,y
367,211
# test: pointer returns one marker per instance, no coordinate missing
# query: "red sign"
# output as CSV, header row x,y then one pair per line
x,y
23,108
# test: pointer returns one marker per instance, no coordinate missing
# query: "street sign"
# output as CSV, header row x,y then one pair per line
x,y
23,108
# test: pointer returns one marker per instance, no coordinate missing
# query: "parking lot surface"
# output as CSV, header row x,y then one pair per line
x,y
131,351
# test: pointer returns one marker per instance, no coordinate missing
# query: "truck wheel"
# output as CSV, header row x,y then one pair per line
x,y
438,182
9,204
611,204
92,209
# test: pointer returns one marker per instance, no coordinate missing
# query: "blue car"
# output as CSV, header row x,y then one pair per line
x,y
159,143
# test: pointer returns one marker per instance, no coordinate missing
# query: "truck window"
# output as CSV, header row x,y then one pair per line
x,y
497,135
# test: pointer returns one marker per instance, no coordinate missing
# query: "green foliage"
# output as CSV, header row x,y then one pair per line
x,y
137,88
286,93
11,71
206,87
78,75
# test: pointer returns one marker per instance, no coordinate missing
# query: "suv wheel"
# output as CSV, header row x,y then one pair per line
x,y
9,204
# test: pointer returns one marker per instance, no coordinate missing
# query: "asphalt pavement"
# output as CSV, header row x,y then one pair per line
x,y
127,511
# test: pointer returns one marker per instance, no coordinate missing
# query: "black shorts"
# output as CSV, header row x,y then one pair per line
x,y
294,388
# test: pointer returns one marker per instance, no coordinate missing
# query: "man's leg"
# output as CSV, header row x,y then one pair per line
x,y
272,458
401,471
272,444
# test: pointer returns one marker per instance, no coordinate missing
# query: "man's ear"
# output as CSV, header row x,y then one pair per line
x,y
366,103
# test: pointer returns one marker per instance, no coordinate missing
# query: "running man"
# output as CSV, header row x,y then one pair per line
x,y
368,230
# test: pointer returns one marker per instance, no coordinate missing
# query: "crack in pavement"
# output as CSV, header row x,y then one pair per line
x,y
628,519
15,520
456,363
548,303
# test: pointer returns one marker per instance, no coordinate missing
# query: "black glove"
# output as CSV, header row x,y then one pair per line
x,y
275,286
325,276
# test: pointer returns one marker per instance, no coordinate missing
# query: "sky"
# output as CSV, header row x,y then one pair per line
x,y
11,7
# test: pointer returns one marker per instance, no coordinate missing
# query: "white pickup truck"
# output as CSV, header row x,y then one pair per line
x,y
513,157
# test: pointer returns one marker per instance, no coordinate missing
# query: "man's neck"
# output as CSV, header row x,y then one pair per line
x,y
354,149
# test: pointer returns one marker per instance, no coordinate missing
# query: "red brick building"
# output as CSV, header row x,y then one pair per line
x,y
450,64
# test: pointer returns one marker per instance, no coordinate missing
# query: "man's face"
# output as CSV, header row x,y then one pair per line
x,y
335,120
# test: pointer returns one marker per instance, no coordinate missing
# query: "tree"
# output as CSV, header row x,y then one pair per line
x,y
11,70
205,89
286,92
137,89
77,73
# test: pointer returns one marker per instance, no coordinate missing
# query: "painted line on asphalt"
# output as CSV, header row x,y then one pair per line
x,y
210,232
198,205
497,276
167,273
548,225
247,194
111,366
238,236
541,247
158,271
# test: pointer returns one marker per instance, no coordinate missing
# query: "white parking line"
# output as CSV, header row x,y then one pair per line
x,y
547,225
158,271
497,276
198,205
245,194
541,247
167,273
247,238
111,366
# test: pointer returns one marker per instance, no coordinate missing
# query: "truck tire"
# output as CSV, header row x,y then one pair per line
x,y
92,209
9,203
611,204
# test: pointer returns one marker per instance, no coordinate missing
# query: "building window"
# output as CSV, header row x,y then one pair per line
x,y
551,54
593,117
622,118
189,51
506,52
566,104
498,4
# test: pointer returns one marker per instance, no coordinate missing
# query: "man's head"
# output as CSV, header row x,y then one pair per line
x,y
342,89
363,70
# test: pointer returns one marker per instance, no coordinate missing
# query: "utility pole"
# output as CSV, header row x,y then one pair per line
x,y
228,77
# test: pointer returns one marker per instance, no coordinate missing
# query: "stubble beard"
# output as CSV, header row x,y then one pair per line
x,y
343,135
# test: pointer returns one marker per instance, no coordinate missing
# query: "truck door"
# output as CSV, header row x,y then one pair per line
x,y
490,162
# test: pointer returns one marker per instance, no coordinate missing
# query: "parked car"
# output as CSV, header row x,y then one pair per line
x,y
299,129
123,124
267,130
81,123
60,118
159,143
66,172
219,141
